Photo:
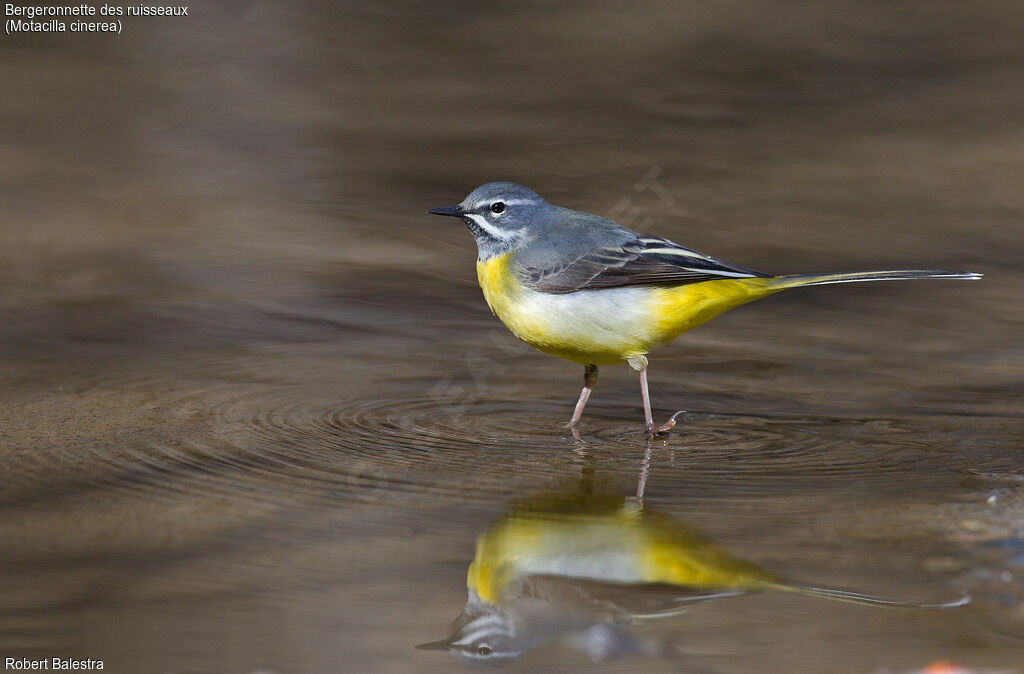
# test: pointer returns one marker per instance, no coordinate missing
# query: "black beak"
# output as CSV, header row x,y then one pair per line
x,y
452,211
436,645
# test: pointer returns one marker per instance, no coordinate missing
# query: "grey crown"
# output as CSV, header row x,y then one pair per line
x,y
559,250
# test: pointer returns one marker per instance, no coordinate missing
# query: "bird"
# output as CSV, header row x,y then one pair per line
x,y
564,564
587,289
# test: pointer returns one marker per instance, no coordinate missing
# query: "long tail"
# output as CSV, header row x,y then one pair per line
x,y
795,280
866,599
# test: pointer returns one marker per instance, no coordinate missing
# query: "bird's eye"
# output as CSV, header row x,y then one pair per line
x,y
497,207
483,650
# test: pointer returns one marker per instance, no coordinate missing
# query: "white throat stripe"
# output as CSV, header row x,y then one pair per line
x,y
482,223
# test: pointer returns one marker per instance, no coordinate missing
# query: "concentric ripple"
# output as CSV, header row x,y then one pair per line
x,y
296,440
254,426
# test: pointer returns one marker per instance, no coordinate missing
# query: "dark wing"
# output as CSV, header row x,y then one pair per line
x,y
646,260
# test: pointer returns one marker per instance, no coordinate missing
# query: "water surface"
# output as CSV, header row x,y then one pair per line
x,y
256,414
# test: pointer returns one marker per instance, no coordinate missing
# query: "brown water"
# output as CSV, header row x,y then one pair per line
x,y
256,412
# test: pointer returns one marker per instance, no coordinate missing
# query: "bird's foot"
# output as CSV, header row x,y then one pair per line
x,y
653,430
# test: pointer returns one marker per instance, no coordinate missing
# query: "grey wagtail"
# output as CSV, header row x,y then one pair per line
x,y
589,290
562,563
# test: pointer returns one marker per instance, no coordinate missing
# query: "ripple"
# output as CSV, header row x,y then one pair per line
x,y
269,426
293,439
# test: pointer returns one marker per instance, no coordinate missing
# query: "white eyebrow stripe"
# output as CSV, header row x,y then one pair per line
x,y
481,222
507,202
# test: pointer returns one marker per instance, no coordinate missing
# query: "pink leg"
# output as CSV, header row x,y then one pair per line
x,y
648,417
645,469
589,380
646,397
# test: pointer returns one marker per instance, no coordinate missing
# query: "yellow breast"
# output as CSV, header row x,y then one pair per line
x,y
606,326
596,538
501,288
554,324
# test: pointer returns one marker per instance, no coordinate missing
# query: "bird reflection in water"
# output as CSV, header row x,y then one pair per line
x,y
582,567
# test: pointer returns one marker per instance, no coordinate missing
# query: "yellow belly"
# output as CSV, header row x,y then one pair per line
x,y
595,538
607,326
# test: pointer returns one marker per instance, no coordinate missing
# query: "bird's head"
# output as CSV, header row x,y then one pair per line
x,y
500,216
484,634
